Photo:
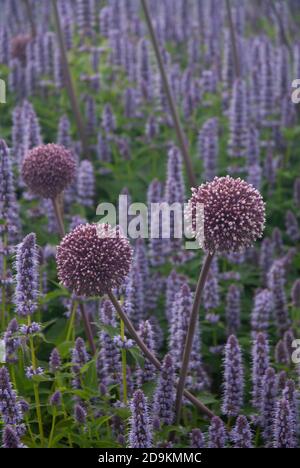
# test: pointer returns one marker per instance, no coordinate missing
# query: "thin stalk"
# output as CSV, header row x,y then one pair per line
x,y
52,427
71,321
58,215
133,333
69,82
236,61
36,388
124,366
191,333
88,329
178,128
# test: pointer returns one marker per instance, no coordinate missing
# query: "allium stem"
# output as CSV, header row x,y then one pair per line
x,y
190,333
233,41
179,131
58,215
123,354
150,355
87,328
69,82
36,387
71,321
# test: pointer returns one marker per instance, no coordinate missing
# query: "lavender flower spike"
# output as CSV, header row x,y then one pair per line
x,y
233,378
140,433
284,426
10,408
27,276
241,433
216,433
197,439
164,396
260,363
10,438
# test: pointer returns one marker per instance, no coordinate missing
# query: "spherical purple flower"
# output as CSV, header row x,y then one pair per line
x,y
93,259
48,170
234,214
18,46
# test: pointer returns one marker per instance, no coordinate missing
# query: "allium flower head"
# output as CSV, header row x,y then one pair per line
x,y
234,214
48,170
93,259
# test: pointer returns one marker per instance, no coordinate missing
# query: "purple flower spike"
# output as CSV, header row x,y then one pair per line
x,y
10,438
10,408
148,372
163,406
292,226
26,293
282,355
260,363
263,303
276,284
54,361
284,425
12,342
217,436
233,378
295,294
56,398
233,309
241,434
197,439
268,401
80,414
140,430
93,259
48,170
86,184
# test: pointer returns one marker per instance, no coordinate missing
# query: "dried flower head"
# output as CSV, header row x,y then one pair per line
x,y
48,170
234,214
93,259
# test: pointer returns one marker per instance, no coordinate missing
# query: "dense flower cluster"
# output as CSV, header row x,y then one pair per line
x,y
234,214
48,170
93,259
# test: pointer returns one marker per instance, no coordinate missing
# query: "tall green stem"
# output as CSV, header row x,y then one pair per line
x,y
36,388
124,366
71,321
190,334
52,427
